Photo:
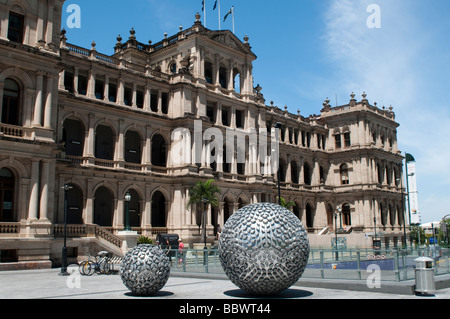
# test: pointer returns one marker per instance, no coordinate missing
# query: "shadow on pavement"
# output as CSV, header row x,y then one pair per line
x,y
286,294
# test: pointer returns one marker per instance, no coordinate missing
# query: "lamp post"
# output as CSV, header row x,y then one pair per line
x,y
127,211
205,253
339,210
408,159
335,236
64,272
278,126
403,206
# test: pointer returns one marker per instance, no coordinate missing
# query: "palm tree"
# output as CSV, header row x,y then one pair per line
x,y
289,205
205,193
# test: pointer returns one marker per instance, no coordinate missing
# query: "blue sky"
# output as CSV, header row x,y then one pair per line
x,y
309,50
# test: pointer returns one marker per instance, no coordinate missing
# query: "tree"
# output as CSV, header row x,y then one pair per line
x,y
204,193
289,205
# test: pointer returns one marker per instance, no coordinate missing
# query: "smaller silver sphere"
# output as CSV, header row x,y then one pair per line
x,y
145,270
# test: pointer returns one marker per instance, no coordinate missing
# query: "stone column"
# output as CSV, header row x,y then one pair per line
x,y
44,192
89,138
38,102
106,89
48,102
33,208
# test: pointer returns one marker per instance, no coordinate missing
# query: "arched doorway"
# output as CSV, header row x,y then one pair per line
x,y
309,216
346,215
74,205
134,209
227,209
103,207
158,210
296,210
330,216
7,186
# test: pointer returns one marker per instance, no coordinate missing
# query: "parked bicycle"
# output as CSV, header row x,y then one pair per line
x,y
101,265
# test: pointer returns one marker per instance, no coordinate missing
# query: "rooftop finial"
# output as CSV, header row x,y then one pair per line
x,y
197,18
132,34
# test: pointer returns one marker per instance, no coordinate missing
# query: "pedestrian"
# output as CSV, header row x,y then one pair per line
x,y
180,252
169,253
219,230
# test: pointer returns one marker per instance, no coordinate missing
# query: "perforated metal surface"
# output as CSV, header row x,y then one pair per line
x,y
264,248
145,270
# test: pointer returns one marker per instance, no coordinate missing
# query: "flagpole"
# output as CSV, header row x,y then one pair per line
x,y
204,13
220,17
232,13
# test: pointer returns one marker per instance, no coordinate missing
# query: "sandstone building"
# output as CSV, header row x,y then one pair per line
x,y
108,125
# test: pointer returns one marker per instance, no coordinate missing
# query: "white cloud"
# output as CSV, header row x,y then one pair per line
x,y
397,65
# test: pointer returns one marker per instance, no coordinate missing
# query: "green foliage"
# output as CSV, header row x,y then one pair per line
x,y
289,205
205,193
141,240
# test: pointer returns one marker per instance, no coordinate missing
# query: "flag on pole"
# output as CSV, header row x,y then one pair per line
x,y
232,14
228,13
203,5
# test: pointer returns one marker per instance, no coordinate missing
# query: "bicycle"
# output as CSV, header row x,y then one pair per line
x,y
100,265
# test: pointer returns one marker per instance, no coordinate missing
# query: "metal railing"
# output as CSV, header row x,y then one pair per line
x,y
351,264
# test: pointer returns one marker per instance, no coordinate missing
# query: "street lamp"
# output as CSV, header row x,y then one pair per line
x,y
403,206
127,211
339,210
278,125
64,272
205,253
335,235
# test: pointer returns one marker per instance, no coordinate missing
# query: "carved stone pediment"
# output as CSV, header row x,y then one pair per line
x,y
230,40
227,40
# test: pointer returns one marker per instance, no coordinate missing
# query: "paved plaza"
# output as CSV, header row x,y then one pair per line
x,y
47,284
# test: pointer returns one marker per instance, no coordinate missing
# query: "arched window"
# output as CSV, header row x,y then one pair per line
x,y
307,174
208,72
173,68
237,81
294,172
104,143
343,170
73,137
223,77
132,147
16,27
11,102
158,210
282,171
159,151
7,186
103,207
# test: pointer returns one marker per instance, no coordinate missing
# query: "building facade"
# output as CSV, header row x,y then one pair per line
x,y
150,121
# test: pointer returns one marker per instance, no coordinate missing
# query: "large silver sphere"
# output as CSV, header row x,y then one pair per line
x,y
263,249
145,270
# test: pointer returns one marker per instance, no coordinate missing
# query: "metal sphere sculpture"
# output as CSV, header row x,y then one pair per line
x,y
263,249
145,270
